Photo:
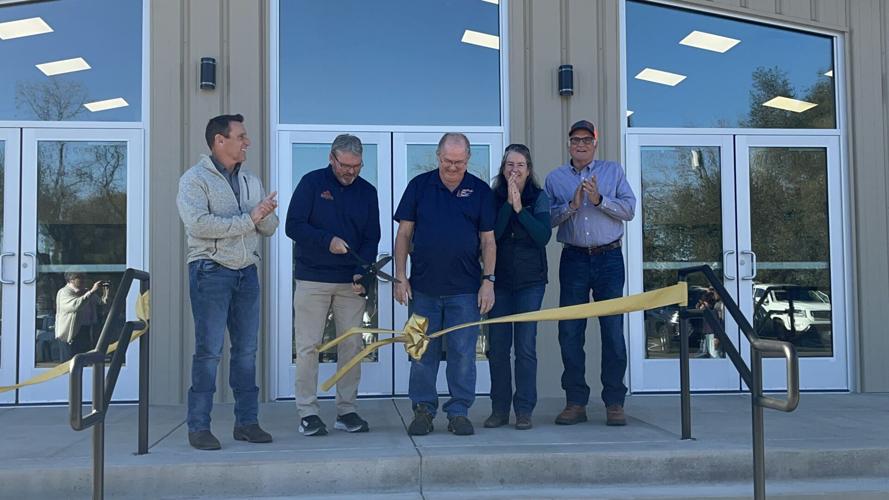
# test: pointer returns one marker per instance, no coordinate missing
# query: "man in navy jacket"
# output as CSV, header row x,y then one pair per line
x,y
332,211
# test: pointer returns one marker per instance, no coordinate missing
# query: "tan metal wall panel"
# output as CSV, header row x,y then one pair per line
x,y
796,8
233,32
868,163
831,12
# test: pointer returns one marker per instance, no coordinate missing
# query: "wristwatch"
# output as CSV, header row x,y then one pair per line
x,y
489,277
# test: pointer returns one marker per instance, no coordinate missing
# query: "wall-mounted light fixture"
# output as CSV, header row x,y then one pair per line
x,y
566,79
208,73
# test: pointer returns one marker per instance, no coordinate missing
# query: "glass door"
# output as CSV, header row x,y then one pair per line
x,y
791,242
81,223
687,217
766,213
298,154
414,153
9,236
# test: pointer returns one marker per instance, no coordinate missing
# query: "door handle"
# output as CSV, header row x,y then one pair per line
x,y
3,256
33,268
725,256
752,264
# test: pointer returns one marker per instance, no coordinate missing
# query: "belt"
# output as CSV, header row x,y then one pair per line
x,y
594,250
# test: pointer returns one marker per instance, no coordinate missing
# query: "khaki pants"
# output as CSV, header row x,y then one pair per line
x,y
311,301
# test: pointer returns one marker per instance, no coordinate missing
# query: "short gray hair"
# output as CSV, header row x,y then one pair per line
x,y
453,137
347,143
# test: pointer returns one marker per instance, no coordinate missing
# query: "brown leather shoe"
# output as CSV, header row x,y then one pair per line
x,y
572,414
523,422
614,415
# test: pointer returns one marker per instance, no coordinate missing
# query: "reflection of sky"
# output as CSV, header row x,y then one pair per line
x,y
107,33
399,62
716,91
308,157
82,175
421,158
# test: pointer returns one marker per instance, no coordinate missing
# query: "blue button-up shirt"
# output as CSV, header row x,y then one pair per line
x,y
446,241
590,225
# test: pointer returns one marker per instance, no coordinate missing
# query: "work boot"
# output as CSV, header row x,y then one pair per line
x,y
523,422
572,414
460,426
422,423
614,415
496,420
252,433
203,440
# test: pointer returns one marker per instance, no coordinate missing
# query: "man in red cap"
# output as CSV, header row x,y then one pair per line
x,y
591,200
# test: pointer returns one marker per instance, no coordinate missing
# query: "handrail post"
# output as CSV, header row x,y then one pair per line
x,y
684,377
143,394
99,405
759,470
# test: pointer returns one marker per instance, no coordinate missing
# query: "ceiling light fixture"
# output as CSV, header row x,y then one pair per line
x,y
481,39
117,102
661,77
23,27
709,41
788,104
64,66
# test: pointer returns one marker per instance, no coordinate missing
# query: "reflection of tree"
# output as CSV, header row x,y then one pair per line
x,y
82,201
682,211
773,82
53,100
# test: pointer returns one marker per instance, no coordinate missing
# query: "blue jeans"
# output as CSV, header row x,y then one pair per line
x,y
501,338
604,275
220,298
443,312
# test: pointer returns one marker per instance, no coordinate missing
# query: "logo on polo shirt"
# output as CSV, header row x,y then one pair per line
x,y
326,196
464,193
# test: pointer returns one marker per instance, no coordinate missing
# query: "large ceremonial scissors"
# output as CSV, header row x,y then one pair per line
x,y
372,271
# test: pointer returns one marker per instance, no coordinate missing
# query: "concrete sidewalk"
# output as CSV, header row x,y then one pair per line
x,y
843,438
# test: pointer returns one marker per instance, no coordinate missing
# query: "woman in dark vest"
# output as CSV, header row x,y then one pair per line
x,y
522,231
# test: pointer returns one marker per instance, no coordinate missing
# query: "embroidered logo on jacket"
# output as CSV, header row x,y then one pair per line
x,y
464,193
327,196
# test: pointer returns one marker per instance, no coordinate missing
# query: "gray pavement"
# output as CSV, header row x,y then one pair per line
x,y
834,444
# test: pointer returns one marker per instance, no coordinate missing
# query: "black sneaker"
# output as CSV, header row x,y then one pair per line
x,y
460,426
312,426
252,433
203,440
351,422
422,423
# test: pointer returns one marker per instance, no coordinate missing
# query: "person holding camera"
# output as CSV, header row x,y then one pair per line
x,y
77,311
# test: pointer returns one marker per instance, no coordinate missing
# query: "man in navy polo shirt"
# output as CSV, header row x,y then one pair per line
x,y
332,210
446,220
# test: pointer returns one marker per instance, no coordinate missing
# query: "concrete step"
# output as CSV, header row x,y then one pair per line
x,y
837,444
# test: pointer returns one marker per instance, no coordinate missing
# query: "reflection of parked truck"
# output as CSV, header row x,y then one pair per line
x,y
811,311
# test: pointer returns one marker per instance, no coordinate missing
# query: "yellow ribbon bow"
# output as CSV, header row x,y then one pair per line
x,y
416,340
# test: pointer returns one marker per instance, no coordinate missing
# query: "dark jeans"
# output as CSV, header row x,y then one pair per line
x,y
220,298
444,312
501,339
604,275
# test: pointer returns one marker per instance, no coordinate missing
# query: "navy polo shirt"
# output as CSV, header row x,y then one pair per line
x,y
446,243
322,208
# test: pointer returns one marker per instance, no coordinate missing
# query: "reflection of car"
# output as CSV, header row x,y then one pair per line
x,y
662,324
811,310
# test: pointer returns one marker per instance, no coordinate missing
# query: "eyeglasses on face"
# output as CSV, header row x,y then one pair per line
x,y
453,163
345,166
577,141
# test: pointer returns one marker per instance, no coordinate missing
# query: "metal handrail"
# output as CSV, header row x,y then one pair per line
x,y
104,384
752,376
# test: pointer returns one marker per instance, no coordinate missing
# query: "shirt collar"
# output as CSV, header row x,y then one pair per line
x,y
221,168
438,182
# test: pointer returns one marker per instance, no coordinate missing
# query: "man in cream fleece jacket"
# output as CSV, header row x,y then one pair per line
x,y
225,212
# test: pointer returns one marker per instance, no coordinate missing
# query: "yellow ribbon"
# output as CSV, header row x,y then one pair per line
x,y
143,312
416,340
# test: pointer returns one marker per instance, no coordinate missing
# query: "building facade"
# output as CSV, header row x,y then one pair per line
x,y
753,133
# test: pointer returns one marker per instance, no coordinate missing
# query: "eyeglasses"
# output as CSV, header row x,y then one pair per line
x,y
577,141
511,164
347,167
451,163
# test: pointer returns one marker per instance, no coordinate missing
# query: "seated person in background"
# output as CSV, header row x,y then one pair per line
x,y
76,311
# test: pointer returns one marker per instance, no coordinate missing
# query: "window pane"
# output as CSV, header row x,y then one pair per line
x,y
81,227
791,238
96,48
748,75
2,229
681,227
399,62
